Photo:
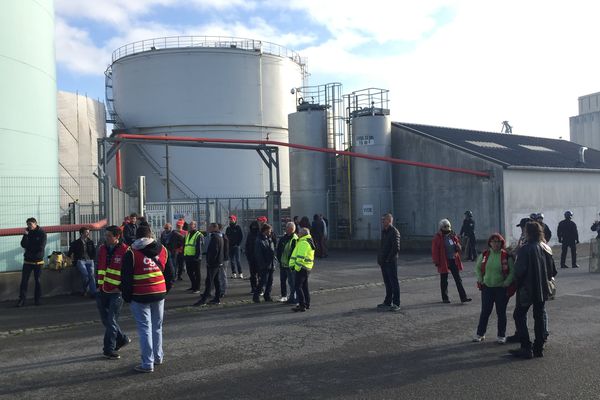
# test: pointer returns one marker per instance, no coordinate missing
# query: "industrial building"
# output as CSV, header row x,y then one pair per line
x,y
337,154
585,127
526,174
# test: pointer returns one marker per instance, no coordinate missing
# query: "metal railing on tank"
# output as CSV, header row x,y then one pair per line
x,y
180,42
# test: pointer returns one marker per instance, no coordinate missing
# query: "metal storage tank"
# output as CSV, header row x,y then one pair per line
x,y
308,172
203,87
372,180
28,136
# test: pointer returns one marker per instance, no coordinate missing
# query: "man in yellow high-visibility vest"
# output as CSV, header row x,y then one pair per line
x,y
192,254
302,260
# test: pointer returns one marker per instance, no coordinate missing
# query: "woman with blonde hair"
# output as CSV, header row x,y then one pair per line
x,y
445,253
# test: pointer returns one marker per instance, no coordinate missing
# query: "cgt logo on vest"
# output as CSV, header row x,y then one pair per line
x,y
150,262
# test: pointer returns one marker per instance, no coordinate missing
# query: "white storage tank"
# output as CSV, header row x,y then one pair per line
x,y
372,180
308,172
204,87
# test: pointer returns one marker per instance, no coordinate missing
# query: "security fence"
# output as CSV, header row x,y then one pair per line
x,y
52,201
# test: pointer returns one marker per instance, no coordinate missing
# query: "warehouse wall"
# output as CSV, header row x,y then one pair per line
x,y
552,193
424,196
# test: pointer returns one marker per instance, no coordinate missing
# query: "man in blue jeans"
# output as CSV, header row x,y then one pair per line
x,y
83,253
387,258
108,298
145,280
235,235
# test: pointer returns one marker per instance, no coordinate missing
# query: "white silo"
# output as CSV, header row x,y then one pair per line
x,y
372,180
308,169
204,87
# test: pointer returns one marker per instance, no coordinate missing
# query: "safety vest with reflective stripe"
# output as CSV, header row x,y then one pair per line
x,y
109,275
189,247
303,255
148,275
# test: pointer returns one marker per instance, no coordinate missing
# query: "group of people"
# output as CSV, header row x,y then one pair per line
x,y
134,267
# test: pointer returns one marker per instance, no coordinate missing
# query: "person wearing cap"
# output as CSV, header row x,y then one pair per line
x,y
468,232
178,239
264,254
235,236
445,253
253,231
568,236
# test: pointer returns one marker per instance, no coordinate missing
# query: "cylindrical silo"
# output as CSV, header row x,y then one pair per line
x,y
204,87
371,183
308,169
29,180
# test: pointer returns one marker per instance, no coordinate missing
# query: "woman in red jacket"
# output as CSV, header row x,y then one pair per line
x,y
445,252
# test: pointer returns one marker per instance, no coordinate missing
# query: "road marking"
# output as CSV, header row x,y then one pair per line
x,y
589,296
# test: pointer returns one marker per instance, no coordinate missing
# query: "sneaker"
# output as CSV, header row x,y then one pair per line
x,y
122,344
564,266
262,292
466,300
501,340
214,302
283,299
446,301
234,276
241,276
113,355
159,362
189,289
139,368
574,266
478,338
382,306
394,308
299,308
196,292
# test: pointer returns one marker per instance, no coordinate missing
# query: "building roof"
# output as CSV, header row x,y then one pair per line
x,y
510,150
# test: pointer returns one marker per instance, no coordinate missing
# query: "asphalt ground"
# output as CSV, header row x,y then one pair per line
x,y
343,347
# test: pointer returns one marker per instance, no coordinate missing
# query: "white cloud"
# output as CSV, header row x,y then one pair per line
x,y
76,51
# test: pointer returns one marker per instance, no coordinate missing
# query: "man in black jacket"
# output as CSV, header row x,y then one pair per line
x,y
130,229
235,236
83,253
264,254
34,243
214,261
534,268
569,237
387,258
468,231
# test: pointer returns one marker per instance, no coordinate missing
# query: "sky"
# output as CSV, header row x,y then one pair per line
x,y
467,64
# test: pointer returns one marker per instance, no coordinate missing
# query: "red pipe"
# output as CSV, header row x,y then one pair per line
x,y
118,170
56,228
304,147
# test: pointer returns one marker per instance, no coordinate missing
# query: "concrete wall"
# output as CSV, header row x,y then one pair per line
x,y
585,129
53,283
424,196
552,193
